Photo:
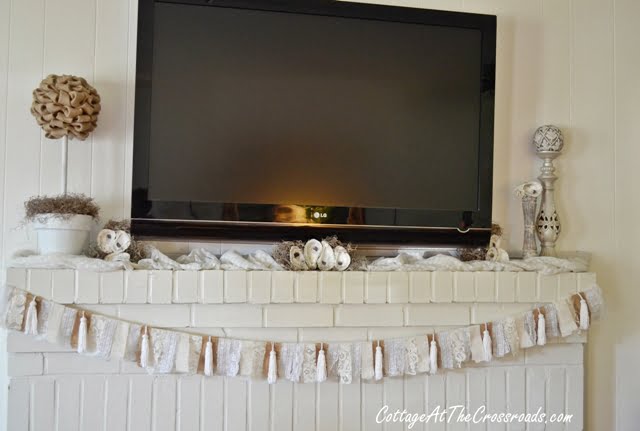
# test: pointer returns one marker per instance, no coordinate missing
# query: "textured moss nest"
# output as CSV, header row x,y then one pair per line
x,y
65,206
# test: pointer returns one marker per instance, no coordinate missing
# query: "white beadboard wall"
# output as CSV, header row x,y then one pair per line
x,y
574,63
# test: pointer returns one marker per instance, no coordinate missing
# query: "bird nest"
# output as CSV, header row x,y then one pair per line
x,y
282,256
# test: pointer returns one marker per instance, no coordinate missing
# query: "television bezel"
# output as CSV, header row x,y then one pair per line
x,y
470,228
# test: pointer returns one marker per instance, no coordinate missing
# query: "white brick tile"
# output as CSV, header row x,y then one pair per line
x,y
306,287
87,287
442,285
25,364
277,335
483,313
398,287
440,315
222,316
506,286
160,287
586,280
112,287
40,282
17,277
259,287
332,334
567,284
526,287
376,288
353,287
485,286
295,316
561,354
330,287
64,286
548,287
369,315
464,287
72,363
214,332
106,310
136,286
419,287
211,287
235,286
185,287
282,286
18,342
376,333
164,316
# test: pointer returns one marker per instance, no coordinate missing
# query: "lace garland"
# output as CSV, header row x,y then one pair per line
x,y
551,319
229,357
100,336
309,363
173,351
251,358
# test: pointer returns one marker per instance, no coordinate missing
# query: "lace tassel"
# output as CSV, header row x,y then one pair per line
x,y
378,363
433,356
542,334
82,334
208,358
321,367
584,314
144,349
272,375
486,344
31,324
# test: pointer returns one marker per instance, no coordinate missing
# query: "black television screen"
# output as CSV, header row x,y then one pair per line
x,y
255,115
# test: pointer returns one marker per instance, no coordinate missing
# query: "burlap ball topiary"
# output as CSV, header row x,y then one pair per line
x,y
66,105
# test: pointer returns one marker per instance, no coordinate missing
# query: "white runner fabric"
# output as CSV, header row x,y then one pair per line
x,y
201,259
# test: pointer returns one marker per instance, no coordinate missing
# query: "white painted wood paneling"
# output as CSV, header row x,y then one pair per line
x,y
124,402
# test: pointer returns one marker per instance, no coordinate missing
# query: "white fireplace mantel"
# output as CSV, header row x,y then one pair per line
x,y
288,306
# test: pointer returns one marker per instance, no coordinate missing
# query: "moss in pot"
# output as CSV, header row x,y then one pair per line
x,y
63,223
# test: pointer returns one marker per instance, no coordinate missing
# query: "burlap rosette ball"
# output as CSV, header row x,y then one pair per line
x,y
66,105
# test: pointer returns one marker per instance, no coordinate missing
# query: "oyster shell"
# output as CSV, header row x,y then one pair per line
x,y
327,260
343,259
312,250
296,257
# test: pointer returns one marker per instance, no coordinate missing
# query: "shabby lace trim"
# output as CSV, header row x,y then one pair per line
x,y
511,334
164,345
228,357
100,336
133,343
251,358
529,336
15,310
309,363
595,301
551,319
43,316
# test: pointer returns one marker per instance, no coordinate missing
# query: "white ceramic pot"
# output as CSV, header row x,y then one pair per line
x,y
62,234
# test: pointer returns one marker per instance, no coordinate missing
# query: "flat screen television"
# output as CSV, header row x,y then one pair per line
x,y
270,120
